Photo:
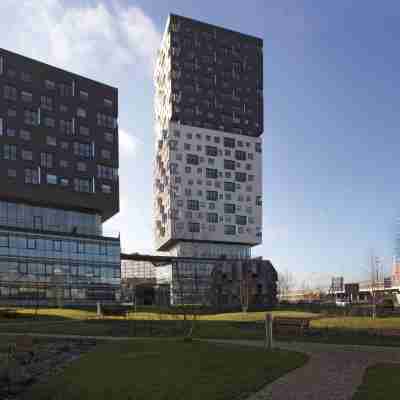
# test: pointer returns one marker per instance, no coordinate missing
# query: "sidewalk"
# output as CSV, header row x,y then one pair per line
x,y
333,372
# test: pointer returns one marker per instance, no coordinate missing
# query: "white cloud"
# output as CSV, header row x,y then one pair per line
x,y
128,144
108,41
105,42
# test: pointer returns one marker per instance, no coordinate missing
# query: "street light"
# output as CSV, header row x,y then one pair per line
x,y
58,280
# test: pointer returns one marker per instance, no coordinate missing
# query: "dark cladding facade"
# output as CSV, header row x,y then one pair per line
x,y
58,182
217,77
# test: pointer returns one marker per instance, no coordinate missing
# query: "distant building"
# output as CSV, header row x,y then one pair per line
x,y
228,283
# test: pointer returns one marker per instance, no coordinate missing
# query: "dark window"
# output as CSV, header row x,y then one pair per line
x,y
51,140
10,152
258,148
27,155
106,154
106,120
212,195
4,240
81,112
211,173
105,172
31,176
211,151
10,132
229,186
241,220
240,176
24,134
194,227
82,185
65,90
26,97
11,112
193,204
66,127
240,155
52,179
229,142
30,243
46,160
82,150
230,229
108,103
49,122
30,117
26,77
84,95
46,103
229,208
192,159
108,137
10,92
212,218
229,164
57,245
84,130
49,84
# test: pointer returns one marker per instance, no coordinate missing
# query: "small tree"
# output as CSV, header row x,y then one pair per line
x,y
374,278
285,284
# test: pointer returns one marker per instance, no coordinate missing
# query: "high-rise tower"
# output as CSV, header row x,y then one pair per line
x,y
209,125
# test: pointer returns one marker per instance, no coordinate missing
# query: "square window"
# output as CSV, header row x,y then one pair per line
x,y
12,173
57,245
84,95
31,243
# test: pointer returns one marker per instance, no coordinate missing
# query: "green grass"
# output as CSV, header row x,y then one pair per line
x,y
255,316
167,370
145,315
380,382
357,323
341,330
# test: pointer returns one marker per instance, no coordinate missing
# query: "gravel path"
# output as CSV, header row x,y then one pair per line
x,y
333,372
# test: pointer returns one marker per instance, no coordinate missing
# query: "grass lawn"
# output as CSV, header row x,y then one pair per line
x,y
341,330
144,315
357,323
256,316
167,370
51,313
381,382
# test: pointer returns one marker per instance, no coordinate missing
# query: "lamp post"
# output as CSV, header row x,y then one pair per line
x,y
58,283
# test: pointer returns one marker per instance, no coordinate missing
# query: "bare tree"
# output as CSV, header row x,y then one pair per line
x,y
285,283
374,265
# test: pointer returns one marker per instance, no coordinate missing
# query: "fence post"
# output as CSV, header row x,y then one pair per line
x,y
268,331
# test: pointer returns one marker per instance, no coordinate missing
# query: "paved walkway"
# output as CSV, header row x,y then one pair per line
x,y
333,372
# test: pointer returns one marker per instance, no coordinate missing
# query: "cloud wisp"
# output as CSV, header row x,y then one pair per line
x,y
102,41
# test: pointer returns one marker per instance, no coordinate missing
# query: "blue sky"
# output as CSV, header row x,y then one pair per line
x,y
331,113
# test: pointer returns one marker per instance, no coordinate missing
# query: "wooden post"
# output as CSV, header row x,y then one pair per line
x,y
268,331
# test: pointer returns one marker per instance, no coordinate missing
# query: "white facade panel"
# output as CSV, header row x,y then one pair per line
x,y
205,190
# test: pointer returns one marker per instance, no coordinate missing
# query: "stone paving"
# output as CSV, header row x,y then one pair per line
x,y
333,372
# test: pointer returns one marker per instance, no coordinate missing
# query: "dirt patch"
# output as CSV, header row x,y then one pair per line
x,y
19,370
